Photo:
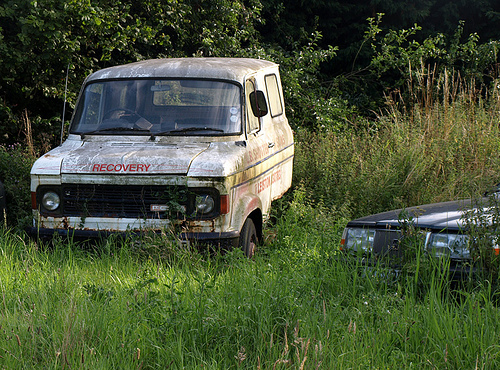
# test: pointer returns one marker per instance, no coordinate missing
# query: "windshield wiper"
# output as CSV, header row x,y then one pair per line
x,y
185,129
82,135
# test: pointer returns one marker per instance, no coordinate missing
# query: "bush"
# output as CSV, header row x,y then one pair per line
x,y
310,103
402,64
444,147
15,165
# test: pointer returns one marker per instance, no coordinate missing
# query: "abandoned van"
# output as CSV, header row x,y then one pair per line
x,y
197,145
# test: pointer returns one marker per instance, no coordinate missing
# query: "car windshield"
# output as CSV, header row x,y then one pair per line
x,y
159,107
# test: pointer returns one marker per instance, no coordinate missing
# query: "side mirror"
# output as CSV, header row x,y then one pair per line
x,y
258,103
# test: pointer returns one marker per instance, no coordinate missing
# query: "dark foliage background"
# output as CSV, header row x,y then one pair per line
x,y
40,39
365,80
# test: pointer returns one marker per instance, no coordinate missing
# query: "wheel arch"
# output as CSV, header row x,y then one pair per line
x,y
248,207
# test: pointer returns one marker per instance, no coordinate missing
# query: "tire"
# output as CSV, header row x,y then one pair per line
x,y
248,238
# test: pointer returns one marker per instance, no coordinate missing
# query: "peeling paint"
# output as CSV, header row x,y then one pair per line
x,y
250,169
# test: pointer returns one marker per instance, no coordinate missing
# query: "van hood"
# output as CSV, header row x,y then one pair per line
x,y
129,158
117,158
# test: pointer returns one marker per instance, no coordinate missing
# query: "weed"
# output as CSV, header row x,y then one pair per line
x,y
482,224
296,306
15,164
441,146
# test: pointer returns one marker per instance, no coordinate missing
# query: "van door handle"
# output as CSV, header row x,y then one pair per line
x,y
270,145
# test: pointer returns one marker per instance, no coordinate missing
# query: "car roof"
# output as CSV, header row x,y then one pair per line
x,y
234,69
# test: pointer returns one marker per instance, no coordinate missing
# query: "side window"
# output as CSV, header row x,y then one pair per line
x,y
253,122
273,95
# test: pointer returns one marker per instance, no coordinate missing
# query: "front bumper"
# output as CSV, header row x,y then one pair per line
x,y
216,239
456,270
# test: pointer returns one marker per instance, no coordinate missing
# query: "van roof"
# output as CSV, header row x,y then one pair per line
x,y
234,69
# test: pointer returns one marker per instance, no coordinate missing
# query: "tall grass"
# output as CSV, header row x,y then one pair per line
x,y
438,143
150,303
296,305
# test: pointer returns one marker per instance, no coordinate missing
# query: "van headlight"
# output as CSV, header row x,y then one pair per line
x,y
204,204
51,201
358,239
449,245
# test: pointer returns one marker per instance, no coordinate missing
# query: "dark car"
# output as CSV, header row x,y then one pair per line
x,y
443,229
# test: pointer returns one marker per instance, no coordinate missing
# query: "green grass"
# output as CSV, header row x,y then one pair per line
x,y
296,305
152,304
437,147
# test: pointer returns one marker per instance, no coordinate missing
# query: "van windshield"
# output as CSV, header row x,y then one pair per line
x,y
159,107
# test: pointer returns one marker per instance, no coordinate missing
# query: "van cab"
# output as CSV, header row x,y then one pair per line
x,y
201,146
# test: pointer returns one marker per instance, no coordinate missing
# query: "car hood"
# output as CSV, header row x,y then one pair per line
x,y
445,215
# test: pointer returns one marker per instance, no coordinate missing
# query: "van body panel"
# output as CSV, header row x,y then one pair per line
x,y
177,144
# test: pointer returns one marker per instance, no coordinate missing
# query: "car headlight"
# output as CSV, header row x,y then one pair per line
x,y
358,239
51,201
449,245
204,204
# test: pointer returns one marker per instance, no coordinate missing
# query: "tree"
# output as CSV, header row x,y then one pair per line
x,y
41,40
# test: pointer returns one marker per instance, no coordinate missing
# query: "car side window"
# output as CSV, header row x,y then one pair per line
x,y
253,122
273,95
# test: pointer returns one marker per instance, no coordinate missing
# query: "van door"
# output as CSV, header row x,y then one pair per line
x,y
260,148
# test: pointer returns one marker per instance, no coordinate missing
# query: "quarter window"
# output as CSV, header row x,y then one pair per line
x,y
273,95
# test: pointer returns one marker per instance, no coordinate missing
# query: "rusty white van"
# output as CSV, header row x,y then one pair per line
x,y
201,146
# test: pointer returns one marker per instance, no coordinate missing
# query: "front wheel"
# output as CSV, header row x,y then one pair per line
x,y
248,238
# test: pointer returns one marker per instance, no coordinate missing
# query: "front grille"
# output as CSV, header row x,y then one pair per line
x,y
124,201
386,243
